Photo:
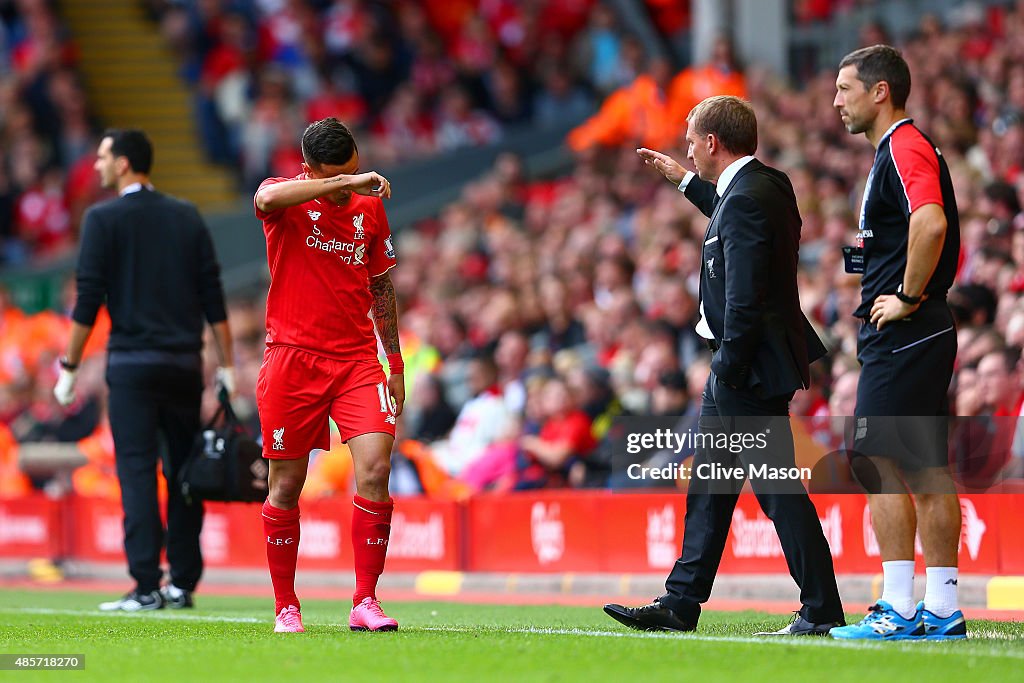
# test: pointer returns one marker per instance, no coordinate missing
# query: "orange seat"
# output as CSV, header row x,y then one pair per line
x,y
330,474
436,482
13,482
98,477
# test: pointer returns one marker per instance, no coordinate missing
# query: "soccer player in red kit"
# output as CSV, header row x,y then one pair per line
x,y
329,249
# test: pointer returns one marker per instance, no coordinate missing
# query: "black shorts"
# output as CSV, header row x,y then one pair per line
x,y
903,394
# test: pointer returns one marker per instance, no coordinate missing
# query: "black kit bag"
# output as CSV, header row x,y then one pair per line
x,y
225,464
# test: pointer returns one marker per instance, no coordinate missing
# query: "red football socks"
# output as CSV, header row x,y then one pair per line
x,y
281,528
371,528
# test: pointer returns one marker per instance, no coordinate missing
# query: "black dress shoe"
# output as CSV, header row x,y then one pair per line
x,y
652,617
801,627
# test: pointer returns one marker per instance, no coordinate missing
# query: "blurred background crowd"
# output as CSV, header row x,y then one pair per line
x,y
534,310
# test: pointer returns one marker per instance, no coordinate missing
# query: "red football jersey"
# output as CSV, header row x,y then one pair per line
x,y
321,259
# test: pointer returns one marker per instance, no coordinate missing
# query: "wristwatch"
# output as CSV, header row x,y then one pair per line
x,y
909,300
67,365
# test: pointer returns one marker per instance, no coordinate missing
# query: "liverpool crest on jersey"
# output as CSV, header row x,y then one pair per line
x,y
357,223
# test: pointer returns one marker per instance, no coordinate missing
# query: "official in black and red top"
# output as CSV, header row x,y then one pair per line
x,y
908,248
909,175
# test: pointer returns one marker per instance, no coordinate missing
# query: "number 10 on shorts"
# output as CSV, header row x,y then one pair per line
x,y
387,406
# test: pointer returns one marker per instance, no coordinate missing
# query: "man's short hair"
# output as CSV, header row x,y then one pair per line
x,y
327,141
133,144
730,119
882,63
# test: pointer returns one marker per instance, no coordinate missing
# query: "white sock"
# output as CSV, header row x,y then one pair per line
x,y
940,591
898,586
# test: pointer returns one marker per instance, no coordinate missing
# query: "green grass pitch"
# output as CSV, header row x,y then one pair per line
x,y
231,639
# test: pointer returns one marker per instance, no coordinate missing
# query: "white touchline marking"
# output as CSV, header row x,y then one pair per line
x,y
807,641
992,635
790,642
147,614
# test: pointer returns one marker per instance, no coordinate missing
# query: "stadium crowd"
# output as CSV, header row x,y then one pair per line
x,y
47,135
536,310
592,277
412,78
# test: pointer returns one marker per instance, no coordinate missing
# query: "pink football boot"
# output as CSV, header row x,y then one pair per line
x,y
368,616
289,621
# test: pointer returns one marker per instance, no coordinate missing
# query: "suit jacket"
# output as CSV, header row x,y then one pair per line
x,y
748,282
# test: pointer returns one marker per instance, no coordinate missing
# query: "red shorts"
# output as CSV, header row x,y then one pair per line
x,y
297,391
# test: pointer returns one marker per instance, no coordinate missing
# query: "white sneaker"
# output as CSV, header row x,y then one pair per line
x,y
134,602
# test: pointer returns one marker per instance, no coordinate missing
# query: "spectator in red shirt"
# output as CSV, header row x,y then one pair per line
x,y
564,437
42,217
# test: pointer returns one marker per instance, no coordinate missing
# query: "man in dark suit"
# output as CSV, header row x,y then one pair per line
x,y
150,259
762,345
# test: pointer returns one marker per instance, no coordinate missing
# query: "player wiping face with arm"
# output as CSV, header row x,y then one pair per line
x,y
337,183
329,249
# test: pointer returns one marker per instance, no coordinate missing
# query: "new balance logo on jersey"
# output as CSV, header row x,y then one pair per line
x,y
278,439
357,223
315,215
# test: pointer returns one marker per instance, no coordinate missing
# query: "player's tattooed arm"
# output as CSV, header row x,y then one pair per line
x,y
385,317
385,312
300,190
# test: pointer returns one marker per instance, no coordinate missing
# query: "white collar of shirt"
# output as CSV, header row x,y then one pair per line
x,y
730,172
134,187
894,127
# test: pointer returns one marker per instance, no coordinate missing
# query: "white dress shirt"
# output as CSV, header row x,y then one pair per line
x,y
720,187
134,187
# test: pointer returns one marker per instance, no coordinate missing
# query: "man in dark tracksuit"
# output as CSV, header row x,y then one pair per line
x,y
909,248
150,259
762,343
